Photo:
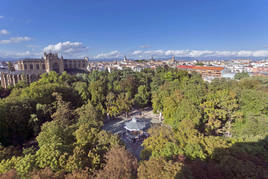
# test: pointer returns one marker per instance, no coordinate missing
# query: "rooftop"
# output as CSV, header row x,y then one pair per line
x,y
200,67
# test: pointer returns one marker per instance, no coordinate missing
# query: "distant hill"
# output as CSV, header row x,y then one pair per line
x,y
9,59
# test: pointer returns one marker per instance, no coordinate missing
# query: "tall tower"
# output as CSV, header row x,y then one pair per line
x,y
53,62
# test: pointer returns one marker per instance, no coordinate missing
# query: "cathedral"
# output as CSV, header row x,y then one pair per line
x,y
31,69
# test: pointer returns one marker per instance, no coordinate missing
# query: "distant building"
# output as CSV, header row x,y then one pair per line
x,y
207,72
260,69
226,73
3,65
31,69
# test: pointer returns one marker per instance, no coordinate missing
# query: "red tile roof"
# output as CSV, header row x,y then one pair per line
x,y
200,67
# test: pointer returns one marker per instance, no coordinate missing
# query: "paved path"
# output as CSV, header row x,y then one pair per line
x,y
117,126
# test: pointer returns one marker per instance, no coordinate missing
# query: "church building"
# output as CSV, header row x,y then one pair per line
x,y
31,69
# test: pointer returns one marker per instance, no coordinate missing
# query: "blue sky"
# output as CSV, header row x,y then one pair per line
x,y
136,28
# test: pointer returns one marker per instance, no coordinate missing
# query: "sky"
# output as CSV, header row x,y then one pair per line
x,y
134,28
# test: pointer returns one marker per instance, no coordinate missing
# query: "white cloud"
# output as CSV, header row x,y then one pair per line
x,y
4,32
137,52
1,17
16,54
155,52
67,48
160,53
15,40
260,53
112,54
198,53
23,54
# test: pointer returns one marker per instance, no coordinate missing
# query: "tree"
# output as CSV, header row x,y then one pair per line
x,y
8,152
111,105
14,120
119,164
254,101
124,103
185,141
46,173
98,90
158,97
220,109
158,168
10,66
82,89
55,138
129,85
11,174
142,97
199,64
175,112
89,115
239,76
4,92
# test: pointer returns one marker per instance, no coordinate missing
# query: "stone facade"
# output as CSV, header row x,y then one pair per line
x,y
31,69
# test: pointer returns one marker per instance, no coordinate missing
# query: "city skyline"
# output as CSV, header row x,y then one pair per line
x,y
113,29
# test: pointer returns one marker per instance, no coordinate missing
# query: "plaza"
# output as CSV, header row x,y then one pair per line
x,y
132,135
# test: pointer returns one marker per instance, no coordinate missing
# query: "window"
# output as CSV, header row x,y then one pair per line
x,y
43,66
25,66
31,66
37,66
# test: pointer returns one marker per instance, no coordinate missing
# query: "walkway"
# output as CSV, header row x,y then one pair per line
x,y
117,127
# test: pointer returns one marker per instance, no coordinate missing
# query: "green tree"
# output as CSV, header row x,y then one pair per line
x,y
82,89
220,109
199,64
111,105
98,90
142,98
14,121
124,103
55,138
239,76
10,66
186,141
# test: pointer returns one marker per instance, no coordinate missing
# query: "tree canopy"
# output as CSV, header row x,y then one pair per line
x,y
52,128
